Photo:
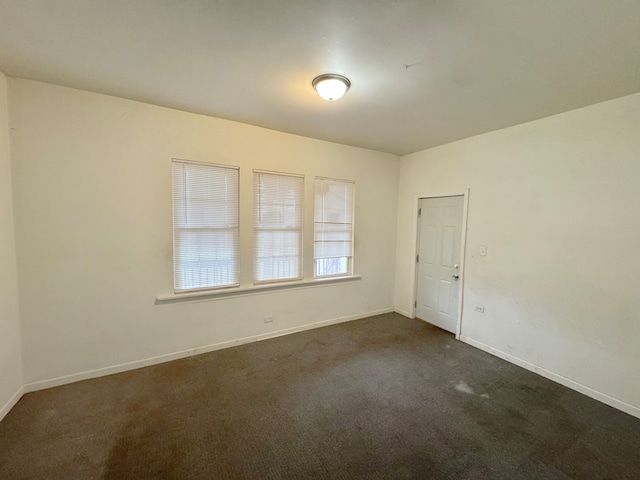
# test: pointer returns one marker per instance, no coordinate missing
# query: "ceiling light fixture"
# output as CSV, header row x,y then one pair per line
x,y
331,86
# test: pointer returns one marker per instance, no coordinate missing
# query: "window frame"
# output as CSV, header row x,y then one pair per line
x,y
176,228
256,229
349,258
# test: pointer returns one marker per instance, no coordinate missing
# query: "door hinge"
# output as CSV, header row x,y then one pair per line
x,y
420,211
417,258
415,304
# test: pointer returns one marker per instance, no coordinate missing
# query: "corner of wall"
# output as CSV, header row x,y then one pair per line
x,y
11,362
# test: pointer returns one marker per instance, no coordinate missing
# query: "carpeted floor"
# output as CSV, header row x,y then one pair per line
x,y
384,397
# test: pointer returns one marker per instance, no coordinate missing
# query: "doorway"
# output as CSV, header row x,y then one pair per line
x,y
438,261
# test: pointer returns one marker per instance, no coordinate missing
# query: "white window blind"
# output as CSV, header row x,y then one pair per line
x,y
278,202
205,226
333,227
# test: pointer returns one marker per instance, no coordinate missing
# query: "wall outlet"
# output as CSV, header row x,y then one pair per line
x,y
268,319
479,308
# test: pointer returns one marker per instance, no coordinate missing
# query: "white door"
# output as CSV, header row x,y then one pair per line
x,y
438,261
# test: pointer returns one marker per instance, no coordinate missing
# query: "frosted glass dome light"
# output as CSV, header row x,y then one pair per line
x,y
331,86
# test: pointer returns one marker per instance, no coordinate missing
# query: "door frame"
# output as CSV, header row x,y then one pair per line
x,y
415,246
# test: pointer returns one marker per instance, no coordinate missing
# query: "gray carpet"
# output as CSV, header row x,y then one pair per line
x,y
383,397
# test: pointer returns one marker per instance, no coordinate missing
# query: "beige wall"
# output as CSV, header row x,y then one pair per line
x,y
557,204
92,185
10,357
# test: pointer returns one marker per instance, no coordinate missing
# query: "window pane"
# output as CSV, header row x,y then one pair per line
x,y
332,266
208,259
278,256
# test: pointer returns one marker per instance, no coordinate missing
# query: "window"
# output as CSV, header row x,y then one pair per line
x,y
278,201
205,226
333,227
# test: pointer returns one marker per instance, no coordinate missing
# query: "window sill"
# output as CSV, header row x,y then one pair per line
x,y
252,290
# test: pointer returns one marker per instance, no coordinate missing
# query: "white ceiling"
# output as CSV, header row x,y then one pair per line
x,y
423,73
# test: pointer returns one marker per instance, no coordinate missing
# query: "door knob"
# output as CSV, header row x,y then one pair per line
x,y
456,276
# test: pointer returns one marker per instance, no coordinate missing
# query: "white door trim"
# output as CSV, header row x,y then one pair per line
x,y
414,239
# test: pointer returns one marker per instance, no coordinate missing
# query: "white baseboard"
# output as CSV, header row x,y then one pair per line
x,y
402,312
123,367
579,387
11,402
